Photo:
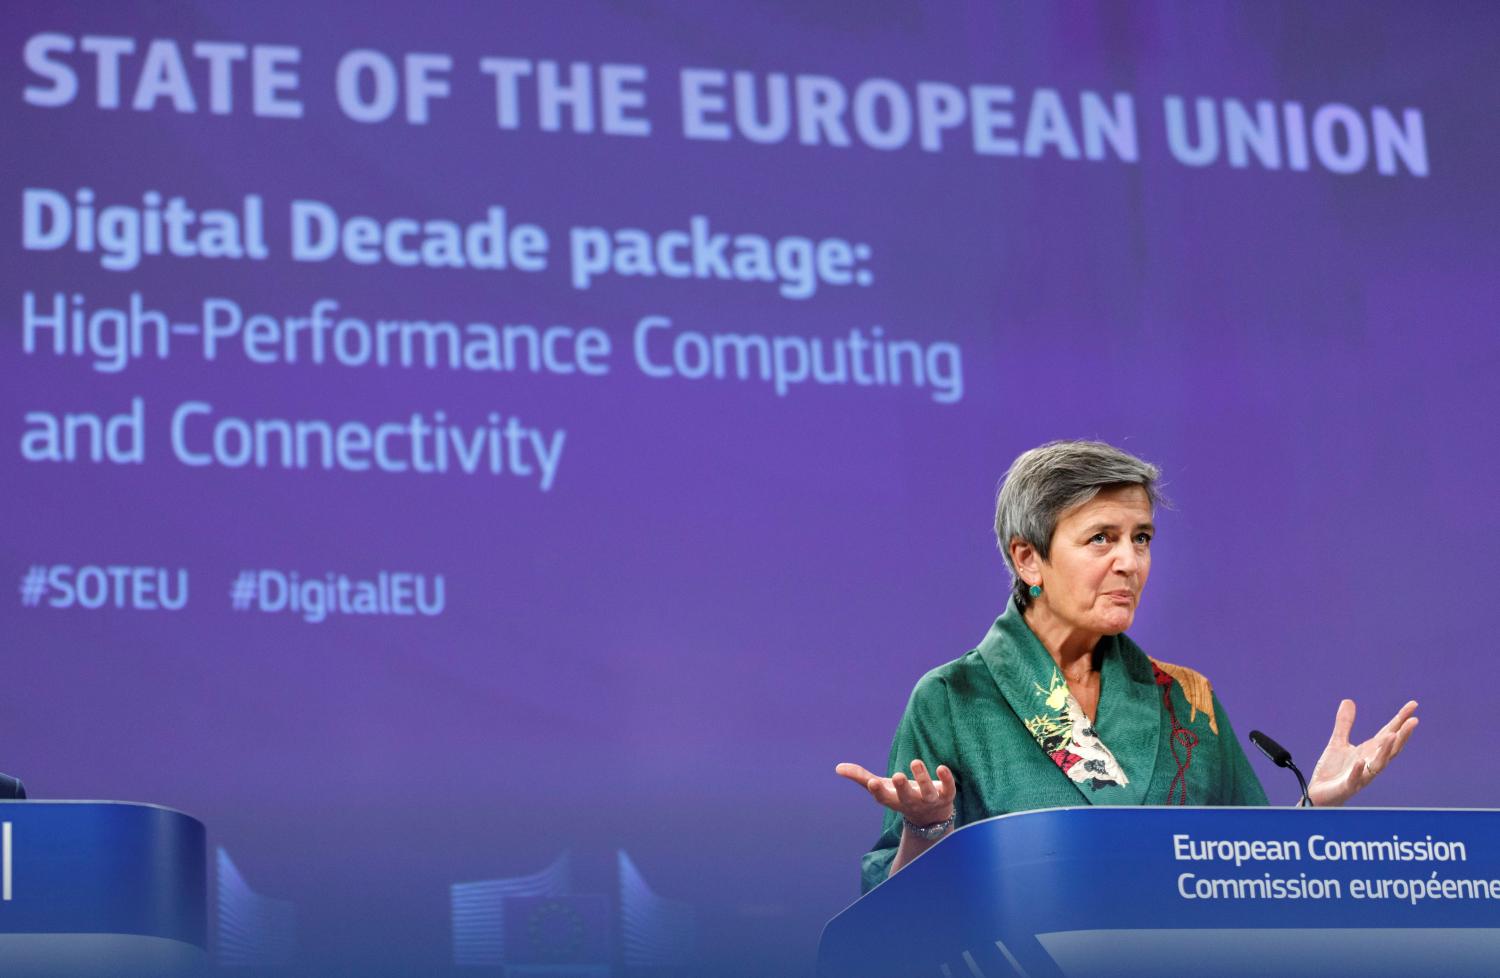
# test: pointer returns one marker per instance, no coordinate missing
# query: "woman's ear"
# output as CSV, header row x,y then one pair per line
x,y
1027,561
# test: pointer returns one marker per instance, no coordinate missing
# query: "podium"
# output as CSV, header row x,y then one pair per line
x,y
1118,892
101,888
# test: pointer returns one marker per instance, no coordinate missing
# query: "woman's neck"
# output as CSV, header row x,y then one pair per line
x,y
1071,647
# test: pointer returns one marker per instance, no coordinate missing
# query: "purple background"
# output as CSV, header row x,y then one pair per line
x,y
727,592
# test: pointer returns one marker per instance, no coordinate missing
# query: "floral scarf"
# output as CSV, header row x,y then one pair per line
x,y
1065,733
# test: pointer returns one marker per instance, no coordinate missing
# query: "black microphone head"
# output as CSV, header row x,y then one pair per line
x,y
11,788
1278,754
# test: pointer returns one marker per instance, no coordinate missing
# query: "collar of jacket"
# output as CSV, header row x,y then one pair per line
x,y
1128,719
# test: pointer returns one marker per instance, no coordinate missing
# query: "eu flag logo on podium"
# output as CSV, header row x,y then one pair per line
x,y
556,934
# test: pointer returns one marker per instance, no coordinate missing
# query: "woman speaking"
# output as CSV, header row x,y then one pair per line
x,y
1057,706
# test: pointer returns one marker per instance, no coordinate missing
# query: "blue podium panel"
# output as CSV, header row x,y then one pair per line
x,y
101,887
1084,892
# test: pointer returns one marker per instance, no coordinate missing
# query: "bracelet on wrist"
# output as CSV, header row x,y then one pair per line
x,y
933,832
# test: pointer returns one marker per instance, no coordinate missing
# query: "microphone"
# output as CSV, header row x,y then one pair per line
x,y
1281,757
11,789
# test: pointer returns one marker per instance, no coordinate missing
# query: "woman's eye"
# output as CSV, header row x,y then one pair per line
x,y
1098,538
1144,539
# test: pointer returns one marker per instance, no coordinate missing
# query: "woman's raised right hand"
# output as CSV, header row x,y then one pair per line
x,y
919,799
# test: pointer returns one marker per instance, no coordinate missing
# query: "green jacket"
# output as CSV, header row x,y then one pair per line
x,y
972,714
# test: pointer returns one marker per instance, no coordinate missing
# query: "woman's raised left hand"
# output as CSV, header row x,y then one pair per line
x,y
1346,768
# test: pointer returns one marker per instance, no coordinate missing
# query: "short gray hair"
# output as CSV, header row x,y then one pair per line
x,y
1042,484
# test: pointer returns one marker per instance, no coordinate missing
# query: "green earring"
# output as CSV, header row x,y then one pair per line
x,y
1036,590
